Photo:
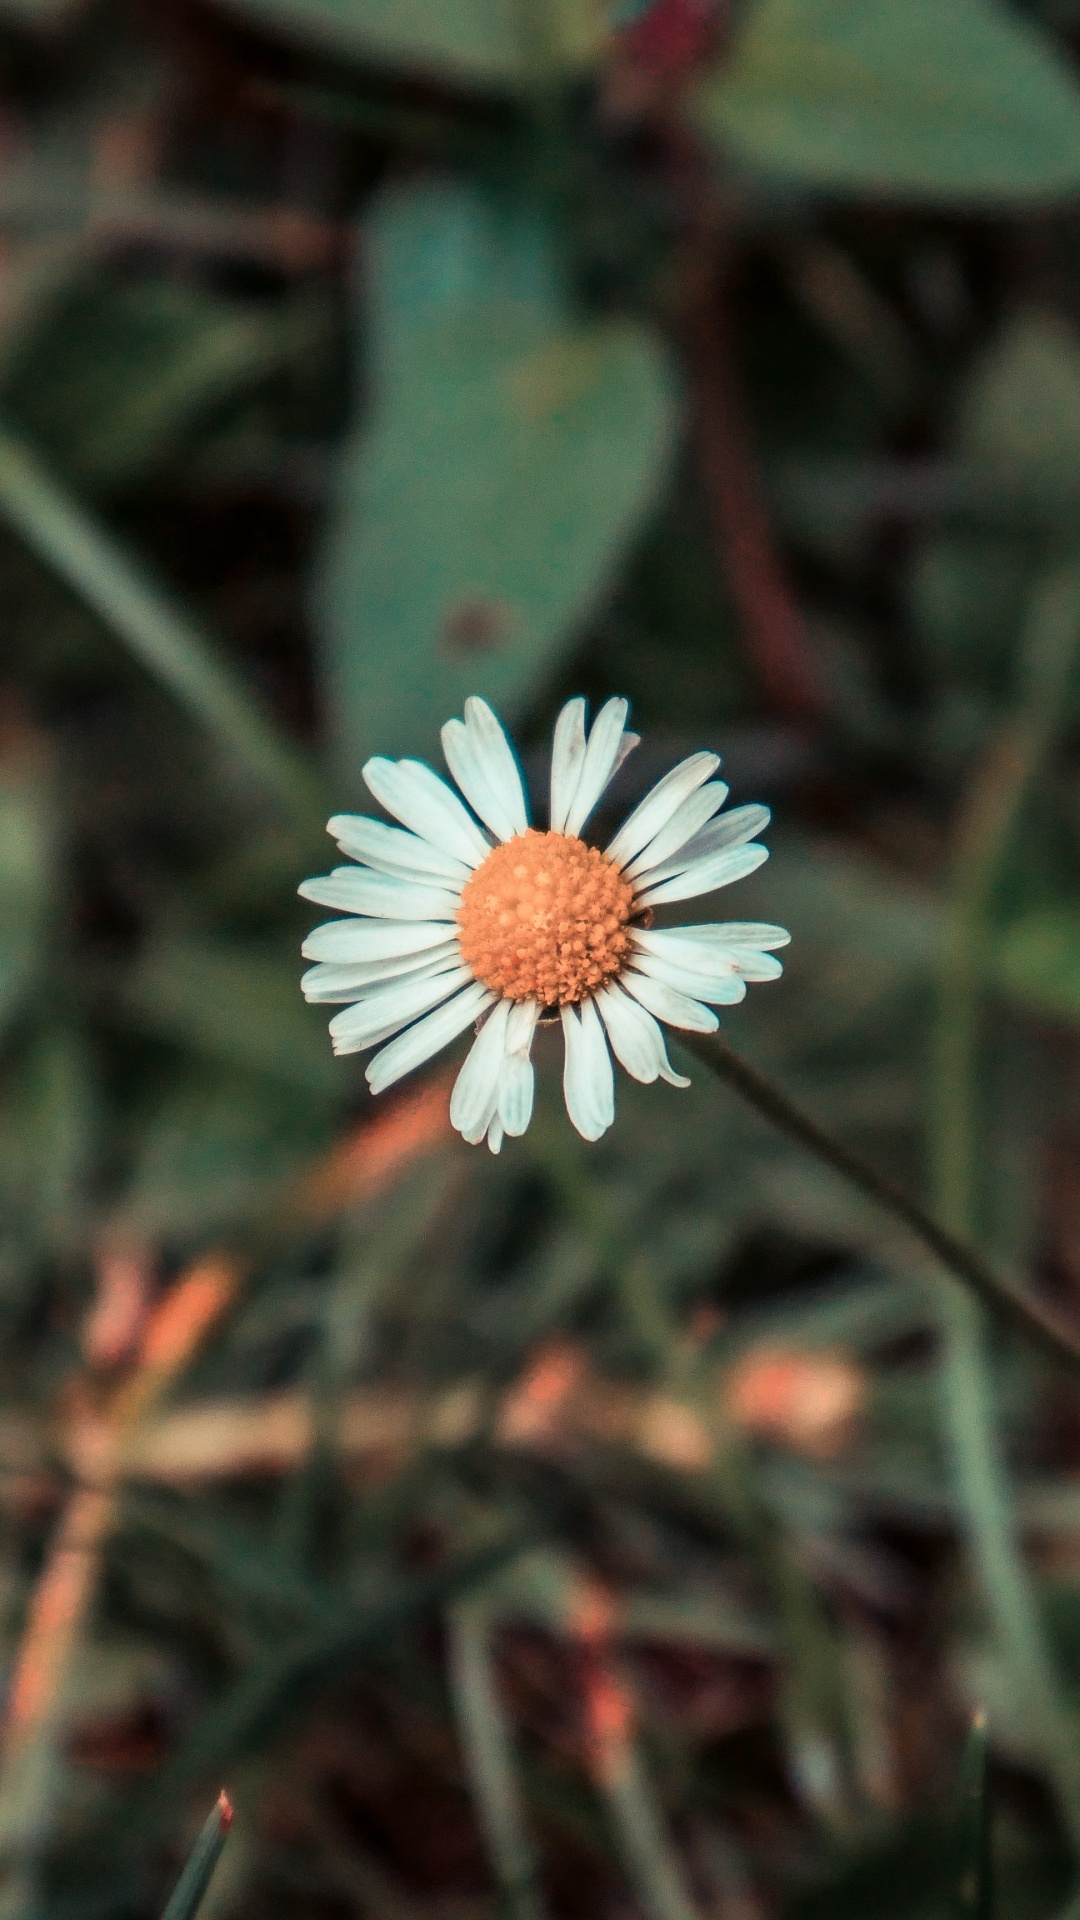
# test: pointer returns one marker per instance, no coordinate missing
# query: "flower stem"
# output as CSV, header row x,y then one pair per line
x,y
1026,1316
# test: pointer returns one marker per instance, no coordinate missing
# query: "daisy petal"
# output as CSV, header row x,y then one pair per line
x,y
327,983
428,1036
492,789
659,804
517,1084
499,762
356,891
601,759
685,822
676,946
664,1003
392,850
345,940
524,1017
418,798
636,1040
732,934
626,747
757,966
518,1077
588,1080
733,830
720,987
567,760
476,1089
384,1012
705,876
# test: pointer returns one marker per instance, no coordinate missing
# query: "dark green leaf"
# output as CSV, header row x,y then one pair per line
x,y
953,100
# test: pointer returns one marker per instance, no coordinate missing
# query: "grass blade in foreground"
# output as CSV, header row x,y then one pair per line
x,y
189,1890
96,566
974,1897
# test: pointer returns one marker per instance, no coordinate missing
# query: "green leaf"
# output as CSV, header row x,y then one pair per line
x,y
512,455
1038,962
949,100
491,42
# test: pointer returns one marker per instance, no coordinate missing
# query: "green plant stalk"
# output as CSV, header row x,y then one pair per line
x,y
974,1895
188,1892
83,553
812,1715
489,1756
650,1861
1027,1316
988,819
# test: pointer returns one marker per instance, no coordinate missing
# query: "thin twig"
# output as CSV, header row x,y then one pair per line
x,y
1025,1315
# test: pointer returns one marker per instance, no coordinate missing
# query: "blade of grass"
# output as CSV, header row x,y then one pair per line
x,y
489,1756
187,1895
142,612
974,1883
652,1865
989,816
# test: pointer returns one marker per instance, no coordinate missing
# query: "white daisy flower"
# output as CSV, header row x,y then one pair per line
x,y
476,919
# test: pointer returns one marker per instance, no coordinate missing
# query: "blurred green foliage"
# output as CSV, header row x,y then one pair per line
x,y
355,357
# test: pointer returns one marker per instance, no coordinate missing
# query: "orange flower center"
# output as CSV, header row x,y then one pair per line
x,y
545,918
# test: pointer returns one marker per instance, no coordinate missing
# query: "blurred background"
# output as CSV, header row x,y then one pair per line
x,y
622,1532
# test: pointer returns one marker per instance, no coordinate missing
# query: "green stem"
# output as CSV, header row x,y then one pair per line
x,y
190,1889
1025,1315
988,819
647,1854
489,1756
82,552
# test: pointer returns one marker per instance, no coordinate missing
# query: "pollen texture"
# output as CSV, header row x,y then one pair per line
x,y
545,918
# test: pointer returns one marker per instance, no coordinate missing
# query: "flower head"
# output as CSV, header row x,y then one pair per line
x,y
458,918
